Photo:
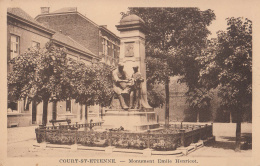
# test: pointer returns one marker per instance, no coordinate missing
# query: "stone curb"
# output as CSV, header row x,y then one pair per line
x,y
181,151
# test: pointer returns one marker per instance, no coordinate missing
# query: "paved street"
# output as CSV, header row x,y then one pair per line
x,y
21,140
20,134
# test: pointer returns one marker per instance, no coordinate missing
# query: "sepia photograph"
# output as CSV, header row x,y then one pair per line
x,y
129,83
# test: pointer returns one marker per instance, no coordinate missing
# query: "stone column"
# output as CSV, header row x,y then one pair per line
x,y
132,49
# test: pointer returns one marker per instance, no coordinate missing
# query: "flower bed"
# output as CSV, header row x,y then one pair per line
x,y
162,140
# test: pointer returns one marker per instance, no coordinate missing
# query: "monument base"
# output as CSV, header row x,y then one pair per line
x,y
131,120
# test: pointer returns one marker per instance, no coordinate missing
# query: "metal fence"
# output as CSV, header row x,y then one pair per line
x,y
165,139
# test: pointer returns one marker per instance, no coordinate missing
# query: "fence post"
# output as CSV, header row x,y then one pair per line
x,y
211,134
77,126
75,146
43,143
200,132
45,135
148,151
109,149
148,140
90,124
59,135
206,130
109,139
76,136
192,135
182,137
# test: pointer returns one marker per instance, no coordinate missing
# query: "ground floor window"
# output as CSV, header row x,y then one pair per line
x,y
68,105
26,105
12,106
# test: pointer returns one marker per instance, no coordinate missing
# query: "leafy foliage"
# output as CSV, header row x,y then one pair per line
x,y
39,73
156,95
48,74
176,36
91,84
227,63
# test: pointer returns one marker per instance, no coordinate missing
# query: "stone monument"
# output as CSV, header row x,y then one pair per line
x,y
129,106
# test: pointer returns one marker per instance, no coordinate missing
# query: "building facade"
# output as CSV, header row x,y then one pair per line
x,y
98,39
109,46
24,32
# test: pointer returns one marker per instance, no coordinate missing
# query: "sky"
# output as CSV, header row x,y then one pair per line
x,y
108,12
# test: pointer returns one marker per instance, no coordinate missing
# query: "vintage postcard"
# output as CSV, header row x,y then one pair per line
x,y
129,82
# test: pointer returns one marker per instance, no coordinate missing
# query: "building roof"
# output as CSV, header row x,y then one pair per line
x,y
63,11
19,13
66,10
73,10
68,41
108,31
59,37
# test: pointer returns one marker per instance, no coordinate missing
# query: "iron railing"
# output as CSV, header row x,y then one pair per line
x,y
166,139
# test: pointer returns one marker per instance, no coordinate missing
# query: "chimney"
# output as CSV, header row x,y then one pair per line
x,y
45,10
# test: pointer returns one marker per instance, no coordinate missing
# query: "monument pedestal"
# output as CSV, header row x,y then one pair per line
x,y
132,57
131,120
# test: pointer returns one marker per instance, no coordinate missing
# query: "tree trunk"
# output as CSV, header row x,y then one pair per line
x,y
198,116
238,131
102,113
230,117
81,112
34,112
86,113
54,110
167,102
45,111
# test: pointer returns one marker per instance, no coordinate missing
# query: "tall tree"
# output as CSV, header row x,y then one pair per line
x,y
91,84
40,75
47,75
228,65
175,38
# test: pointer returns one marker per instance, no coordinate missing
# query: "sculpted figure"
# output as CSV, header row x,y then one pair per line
x,y
135,94
121,84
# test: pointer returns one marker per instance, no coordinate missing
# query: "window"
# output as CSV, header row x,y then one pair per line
x,y
26,105
12,106
106,51
35,44
105,46
113,50
68,105
15,46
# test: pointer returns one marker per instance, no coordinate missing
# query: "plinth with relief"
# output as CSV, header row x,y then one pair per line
x,y
132,53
